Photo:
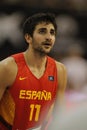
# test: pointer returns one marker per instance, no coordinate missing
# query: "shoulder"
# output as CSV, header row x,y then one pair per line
x,y
8,63
8,68
62,75
60,67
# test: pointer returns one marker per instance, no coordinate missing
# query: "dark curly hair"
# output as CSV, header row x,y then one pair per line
x,y
31,22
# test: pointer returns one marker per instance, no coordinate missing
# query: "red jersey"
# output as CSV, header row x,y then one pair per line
x,y
31,98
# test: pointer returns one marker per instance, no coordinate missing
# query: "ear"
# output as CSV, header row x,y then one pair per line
x,y
28,38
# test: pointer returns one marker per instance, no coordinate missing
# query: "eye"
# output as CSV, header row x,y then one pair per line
x,y
42,31
52,32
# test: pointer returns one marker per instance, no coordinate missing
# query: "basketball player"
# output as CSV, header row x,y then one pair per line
x,y
31,82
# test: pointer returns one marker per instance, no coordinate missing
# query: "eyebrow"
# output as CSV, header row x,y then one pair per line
x,y
45,29
42,28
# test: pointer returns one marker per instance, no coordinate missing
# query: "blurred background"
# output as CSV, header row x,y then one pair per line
x,y
71,43
71,18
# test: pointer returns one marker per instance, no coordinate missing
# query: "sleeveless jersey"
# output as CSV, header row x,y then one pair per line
x,y
29,99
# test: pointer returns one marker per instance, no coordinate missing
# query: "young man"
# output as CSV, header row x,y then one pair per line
x,y
32,82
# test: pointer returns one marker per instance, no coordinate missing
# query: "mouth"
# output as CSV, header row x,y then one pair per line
x,y
47,44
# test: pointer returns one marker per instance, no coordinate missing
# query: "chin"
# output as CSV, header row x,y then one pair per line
x,y
44,53
48,51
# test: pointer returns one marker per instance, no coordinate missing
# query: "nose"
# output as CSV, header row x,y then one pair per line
x,y
48,37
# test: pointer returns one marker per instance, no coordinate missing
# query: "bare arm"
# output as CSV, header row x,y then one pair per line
x,y
8,70
62,83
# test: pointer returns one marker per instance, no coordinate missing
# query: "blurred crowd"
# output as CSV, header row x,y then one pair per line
x,y
67,4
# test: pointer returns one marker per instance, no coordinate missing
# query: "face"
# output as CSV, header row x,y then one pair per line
x,y
43,38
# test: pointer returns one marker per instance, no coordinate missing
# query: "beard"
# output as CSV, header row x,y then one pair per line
x,y
41,50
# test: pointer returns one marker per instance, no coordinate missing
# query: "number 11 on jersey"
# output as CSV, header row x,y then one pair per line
x,y
36,108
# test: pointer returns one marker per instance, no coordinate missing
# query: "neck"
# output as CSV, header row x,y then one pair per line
x,y
35,60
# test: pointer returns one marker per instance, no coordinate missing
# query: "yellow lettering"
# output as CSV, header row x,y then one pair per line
x,y
22,94
36,108
28,94
49,96
38,95
44,95
35,95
